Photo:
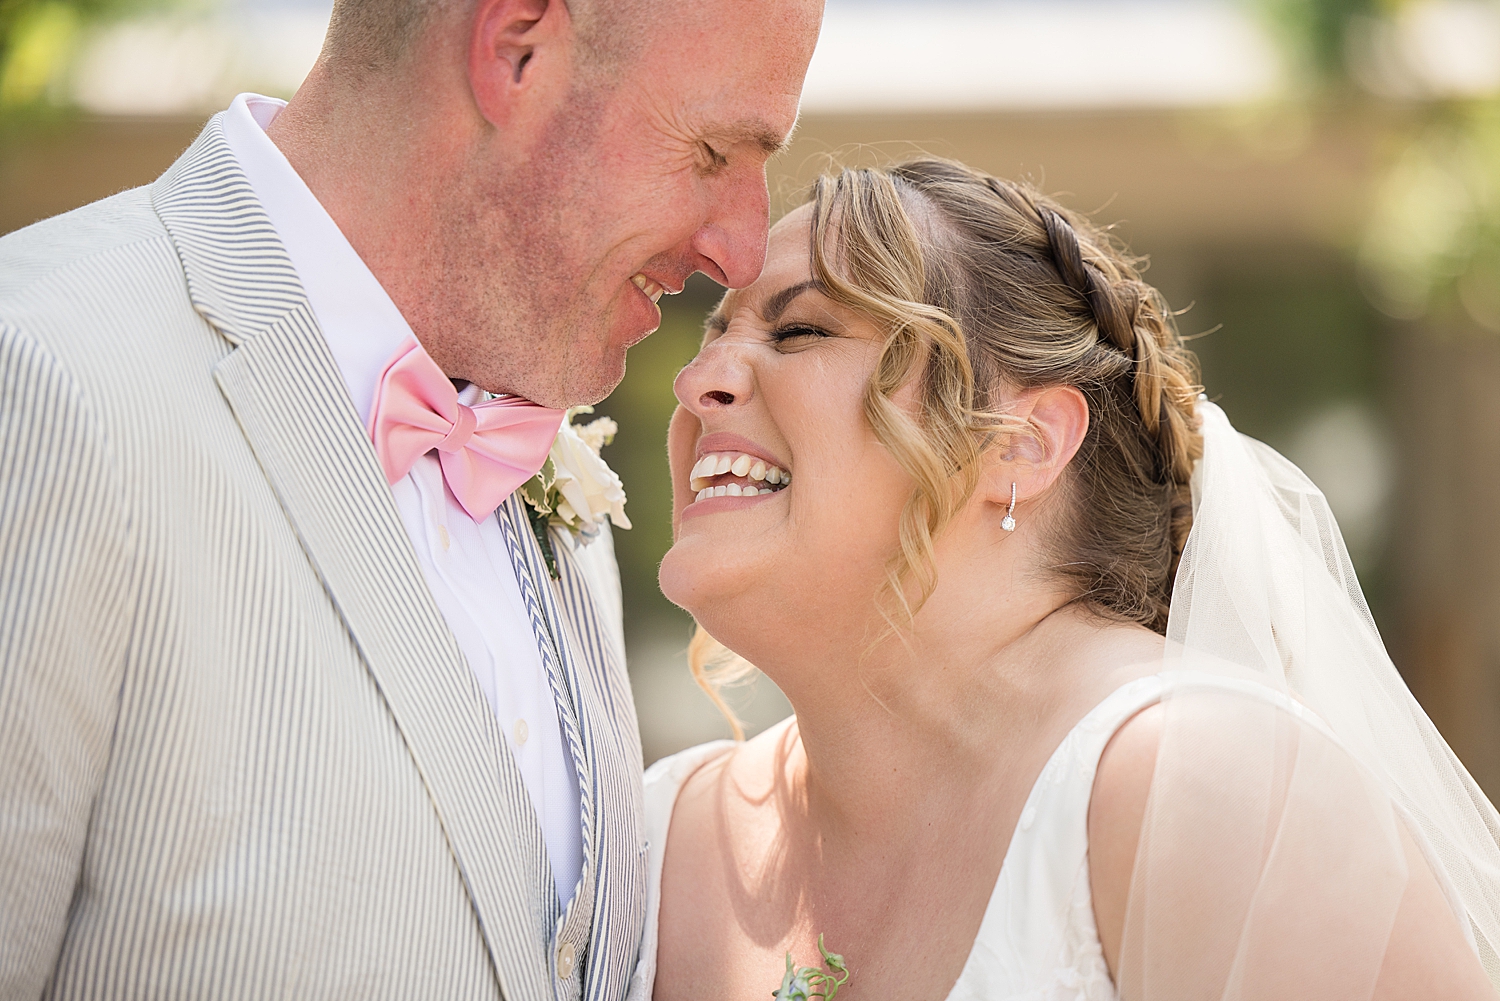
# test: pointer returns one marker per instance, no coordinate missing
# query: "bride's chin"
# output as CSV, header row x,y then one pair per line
x,y
680,581
701,587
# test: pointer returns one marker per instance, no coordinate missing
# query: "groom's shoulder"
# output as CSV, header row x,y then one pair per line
x,y
82,285
100,237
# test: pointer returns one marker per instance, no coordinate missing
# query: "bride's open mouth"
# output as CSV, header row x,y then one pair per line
x,y
735,474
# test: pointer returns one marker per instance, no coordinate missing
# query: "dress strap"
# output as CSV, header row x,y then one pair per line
x,y
1039,940
663,781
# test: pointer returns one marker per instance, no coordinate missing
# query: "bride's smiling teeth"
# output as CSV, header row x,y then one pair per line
x,y
735,474
653,291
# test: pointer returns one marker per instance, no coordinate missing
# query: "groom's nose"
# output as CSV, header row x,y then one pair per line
x,y
731,243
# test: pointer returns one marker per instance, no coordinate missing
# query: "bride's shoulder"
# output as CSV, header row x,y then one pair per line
x,y
675,769
695,773
1241,807
1212,759
666,780
1225,729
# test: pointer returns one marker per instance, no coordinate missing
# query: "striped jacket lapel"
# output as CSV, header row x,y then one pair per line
x,y
613,737
613,892
286,392
526,559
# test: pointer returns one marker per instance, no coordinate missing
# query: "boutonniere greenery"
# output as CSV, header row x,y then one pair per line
x,y
575,488
804,983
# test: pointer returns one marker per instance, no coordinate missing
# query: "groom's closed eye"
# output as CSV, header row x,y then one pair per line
x,y
713,160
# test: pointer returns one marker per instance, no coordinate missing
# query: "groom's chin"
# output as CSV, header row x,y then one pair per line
x,y
590,380
635,317
593,385
582,377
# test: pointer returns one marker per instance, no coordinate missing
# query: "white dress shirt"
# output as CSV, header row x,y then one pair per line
x,y
465,562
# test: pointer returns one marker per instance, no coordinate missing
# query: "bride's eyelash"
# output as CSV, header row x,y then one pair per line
x,y
792,331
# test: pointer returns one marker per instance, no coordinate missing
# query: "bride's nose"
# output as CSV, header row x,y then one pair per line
x,y
718,378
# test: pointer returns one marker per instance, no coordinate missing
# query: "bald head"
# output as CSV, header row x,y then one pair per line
x,y
379,34
526,177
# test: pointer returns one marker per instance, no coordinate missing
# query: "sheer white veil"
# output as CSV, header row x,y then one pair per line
x,y
1293,787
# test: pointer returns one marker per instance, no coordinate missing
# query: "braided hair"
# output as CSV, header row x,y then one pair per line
x,y
984,283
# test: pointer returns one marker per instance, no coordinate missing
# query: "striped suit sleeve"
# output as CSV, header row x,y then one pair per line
x,y
64,568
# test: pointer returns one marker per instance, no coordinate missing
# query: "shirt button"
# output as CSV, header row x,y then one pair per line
x,y
566,957
522,732
443,536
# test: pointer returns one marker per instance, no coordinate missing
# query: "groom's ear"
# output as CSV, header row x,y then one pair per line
x,y
1033,459
517,49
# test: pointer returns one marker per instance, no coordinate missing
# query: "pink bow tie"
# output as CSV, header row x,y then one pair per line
x,y
486,451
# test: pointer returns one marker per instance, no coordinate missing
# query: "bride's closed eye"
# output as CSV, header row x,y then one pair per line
x,y
792,336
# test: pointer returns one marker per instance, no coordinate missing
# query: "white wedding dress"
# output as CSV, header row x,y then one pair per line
x,y
1038,941
1268,626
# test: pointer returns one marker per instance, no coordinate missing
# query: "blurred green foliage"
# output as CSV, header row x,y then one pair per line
x,y
642,405
1296,333
1315,32
39,39
1431,248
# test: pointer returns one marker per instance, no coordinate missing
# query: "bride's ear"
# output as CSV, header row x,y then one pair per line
x,y
1058,419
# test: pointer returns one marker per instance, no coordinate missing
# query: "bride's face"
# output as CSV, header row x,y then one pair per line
x,y
786,506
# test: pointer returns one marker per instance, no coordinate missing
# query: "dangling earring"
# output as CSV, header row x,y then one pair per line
x,y
1009,522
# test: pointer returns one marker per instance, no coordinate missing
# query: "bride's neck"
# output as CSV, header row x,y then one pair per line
x,y
921,721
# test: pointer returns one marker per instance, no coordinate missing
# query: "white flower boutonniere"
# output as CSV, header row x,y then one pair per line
x,y
575,488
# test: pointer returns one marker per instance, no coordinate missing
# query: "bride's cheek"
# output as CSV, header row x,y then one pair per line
x,y
682,439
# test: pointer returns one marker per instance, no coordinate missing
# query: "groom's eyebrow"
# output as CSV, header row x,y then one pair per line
x,y
752,130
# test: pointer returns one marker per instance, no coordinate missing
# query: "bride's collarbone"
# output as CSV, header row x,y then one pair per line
x,y
750,876
754,872
732,939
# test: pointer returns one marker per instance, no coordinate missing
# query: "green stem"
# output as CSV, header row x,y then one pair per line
x,y
539,528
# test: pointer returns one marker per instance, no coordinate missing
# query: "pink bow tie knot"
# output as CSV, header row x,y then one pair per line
x,y
463,429
485,451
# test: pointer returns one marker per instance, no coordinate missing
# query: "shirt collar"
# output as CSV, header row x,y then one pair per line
x,y
361,324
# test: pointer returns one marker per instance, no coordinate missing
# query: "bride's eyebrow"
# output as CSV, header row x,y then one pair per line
x,y
777,303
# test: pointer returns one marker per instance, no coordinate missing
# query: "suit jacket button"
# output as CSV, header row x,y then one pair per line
x,y
566,957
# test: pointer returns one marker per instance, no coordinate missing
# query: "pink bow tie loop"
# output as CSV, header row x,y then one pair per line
x,y
486,451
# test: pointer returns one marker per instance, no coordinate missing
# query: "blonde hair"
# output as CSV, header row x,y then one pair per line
x,y
980,284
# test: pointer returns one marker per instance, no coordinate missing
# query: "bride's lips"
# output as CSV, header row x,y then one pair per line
x,y
731,472
711,505
723,441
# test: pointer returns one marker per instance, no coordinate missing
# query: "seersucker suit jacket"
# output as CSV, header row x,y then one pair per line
x,y
241,755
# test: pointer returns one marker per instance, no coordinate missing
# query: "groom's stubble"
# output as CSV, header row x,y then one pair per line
x,y
508,234
510,287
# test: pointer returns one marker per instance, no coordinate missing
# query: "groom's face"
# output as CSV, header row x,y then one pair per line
x,y
634,185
